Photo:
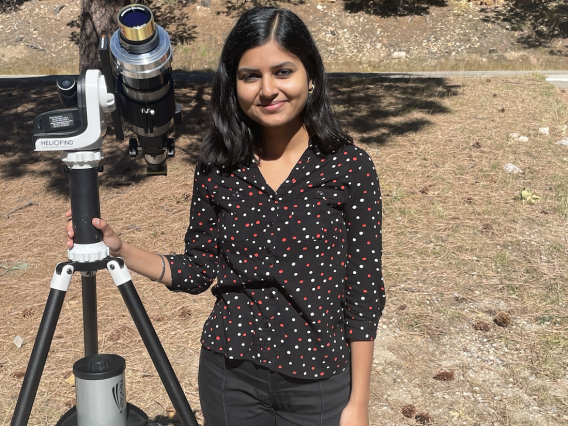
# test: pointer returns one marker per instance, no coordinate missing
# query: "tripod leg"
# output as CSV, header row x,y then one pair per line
x,y
59,286
123,281
90,326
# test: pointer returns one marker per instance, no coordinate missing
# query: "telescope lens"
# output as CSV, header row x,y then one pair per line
x,y
135,18
136,23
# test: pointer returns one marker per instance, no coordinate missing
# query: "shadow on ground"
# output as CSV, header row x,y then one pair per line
x,y
238,7
539,23
374,110
388,8
377,109
10,5
383,8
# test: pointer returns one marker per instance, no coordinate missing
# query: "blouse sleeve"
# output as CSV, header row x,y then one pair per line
x,y
364,286
195,270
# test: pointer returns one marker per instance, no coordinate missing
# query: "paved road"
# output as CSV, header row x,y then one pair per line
x,y
558,78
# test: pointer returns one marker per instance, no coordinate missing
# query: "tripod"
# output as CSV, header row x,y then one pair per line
x,y
89,255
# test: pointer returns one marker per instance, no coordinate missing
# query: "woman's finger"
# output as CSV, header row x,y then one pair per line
x,y
103,226
69,228
99,223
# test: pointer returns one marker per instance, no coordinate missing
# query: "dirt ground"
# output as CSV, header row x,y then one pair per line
x,y
475,331
41,36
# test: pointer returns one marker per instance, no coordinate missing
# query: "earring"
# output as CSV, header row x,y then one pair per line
x,y
311,90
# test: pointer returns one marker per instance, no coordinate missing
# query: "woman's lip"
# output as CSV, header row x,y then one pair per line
x,y
273,106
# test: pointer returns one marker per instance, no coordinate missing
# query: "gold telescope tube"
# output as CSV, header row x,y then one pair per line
x,y
136,22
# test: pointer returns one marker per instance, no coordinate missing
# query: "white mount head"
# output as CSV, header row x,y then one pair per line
x,y
81,128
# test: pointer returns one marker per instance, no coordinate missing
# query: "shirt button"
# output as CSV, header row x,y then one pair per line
x,y
269,251
267,324
320,192
270,223
272,296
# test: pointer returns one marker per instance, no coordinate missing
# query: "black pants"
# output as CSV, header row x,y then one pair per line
x,y
241,393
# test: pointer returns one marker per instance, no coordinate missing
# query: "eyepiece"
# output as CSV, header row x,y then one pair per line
x,y
136,23
67,90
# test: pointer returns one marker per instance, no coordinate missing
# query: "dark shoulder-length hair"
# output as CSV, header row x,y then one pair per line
x,y
233,138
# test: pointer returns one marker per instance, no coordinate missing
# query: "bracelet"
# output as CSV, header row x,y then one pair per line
x,y
163,269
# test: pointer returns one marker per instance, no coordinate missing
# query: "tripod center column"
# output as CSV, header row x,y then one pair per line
x,y
85,204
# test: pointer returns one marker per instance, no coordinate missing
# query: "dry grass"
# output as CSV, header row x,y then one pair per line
x,y
459,250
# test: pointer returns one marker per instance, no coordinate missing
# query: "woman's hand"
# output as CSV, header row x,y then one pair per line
x,y
355,414
110,238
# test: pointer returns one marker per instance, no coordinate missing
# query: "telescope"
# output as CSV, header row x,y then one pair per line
x,y
136,86
136,65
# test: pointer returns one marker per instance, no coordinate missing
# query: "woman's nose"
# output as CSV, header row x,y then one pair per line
x,y
269,88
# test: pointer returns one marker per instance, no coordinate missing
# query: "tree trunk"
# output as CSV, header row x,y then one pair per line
x,y
97,17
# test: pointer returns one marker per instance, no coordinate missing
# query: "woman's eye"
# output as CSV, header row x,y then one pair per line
x,y
248,77
284,73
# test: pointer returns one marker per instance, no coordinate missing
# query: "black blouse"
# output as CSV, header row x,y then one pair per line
x,y
298,270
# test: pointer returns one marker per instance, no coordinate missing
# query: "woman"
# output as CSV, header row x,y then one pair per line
x,y
286,216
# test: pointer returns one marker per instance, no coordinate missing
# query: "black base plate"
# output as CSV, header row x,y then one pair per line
x,y
135,417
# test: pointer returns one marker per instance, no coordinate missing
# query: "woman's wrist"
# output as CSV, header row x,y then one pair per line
x,y
159,279
360,400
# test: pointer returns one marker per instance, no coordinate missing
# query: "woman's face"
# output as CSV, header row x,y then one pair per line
x,y
272,86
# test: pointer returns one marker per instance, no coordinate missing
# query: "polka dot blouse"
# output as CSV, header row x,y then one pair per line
x,y
298,270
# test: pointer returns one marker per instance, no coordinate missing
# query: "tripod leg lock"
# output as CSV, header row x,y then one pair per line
x,y
62,277
118,272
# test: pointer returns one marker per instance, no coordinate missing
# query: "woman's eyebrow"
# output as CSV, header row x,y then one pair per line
x,y
241,70
280,65
283,64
